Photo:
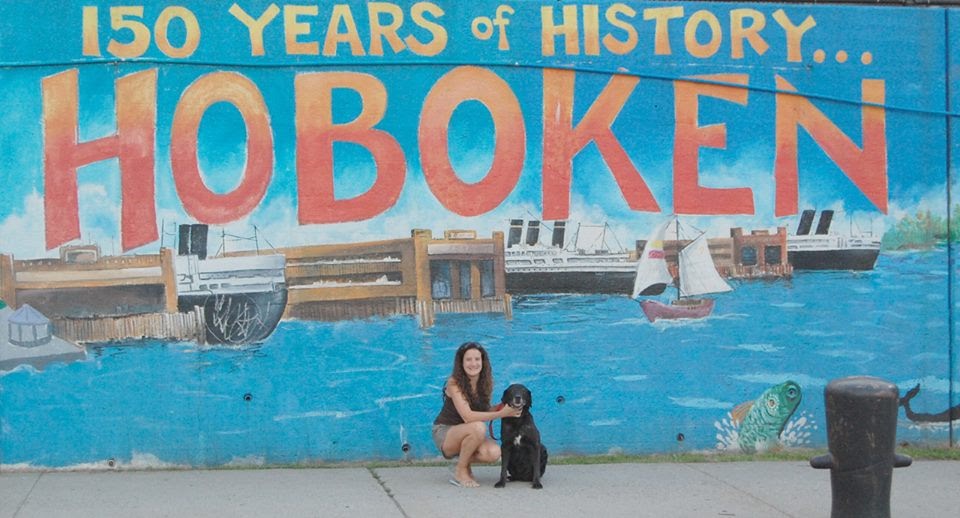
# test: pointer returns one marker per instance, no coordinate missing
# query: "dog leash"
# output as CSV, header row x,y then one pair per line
x,y
490,424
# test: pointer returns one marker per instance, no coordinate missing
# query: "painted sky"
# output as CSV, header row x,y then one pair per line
x,y
911,61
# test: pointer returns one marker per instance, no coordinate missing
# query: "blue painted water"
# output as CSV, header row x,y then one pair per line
x,y
603,378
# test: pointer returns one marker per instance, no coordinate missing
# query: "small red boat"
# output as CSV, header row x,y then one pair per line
x,y
683,308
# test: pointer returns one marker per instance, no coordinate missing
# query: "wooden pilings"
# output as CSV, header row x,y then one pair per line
x,y
8,288
492,305
425,314
330,311
169,275
768,271
165,326
424,310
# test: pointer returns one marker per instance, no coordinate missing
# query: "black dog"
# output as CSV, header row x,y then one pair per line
x,y
523,456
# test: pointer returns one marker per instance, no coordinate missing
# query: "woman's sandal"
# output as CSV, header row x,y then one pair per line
x,y
464,483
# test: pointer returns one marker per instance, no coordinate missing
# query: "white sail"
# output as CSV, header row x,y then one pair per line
x,y
652,267
698,274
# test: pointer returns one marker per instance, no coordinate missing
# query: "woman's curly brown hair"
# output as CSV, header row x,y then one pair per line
x,y
479,401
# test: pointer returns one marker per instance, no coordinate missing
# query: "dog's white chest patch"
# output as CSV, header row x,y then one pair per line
x,y
517,439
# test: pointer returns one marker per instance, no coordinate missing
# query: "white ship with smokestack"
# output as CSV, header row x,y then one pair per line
x,y
584,263
823,250
242,296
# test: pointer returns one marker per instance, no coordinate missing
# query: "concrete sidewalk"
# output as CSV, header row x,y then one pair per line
x,y
741,489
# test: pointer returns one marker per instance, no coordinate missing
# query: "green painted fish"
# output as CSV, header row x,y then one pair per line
x,y
762,421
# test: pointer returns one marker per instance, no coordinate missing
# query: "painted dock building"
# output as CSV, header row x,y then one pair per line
x,y
82,283
94,298
419,275
757,255
239,297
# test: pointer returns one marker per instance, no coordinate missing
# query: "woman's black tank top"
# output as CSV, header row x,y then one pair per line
x,y
448,413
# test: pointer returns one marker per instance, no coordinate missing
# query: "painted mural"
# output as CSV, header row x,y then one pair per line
x,y
250,233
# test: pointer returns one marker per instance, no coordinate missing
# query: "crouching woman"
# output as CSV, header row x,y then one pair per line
x,y
459,429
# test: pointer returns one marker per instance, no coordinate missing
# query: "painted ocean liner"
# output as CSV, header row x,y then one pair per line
x,y
583,264
243,296
823,250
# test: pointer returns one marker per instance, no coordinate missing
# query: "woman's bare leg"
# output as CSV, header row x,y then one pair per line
x,y
465,440
488,452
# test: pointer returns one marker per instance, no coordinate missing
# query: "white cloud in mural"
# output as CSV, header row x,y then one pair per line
x,y
283,228
934,200
22,234
100,218
749,171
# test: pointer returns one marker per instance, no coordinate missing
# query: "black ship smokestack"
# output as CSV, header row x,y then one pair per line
x,y
516,231
823,227
559,227
533,232
193,240
806,221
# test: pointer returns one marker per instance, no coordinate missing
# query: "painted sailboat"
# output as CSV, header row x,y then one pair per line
x,y
697,276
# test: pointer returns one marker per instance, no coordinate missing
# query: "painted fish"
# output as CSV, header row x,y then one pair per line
x,y
762,421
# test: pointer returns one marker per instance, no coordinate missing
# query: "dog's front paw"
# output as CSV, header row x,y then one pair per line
x,y
537,485
500,483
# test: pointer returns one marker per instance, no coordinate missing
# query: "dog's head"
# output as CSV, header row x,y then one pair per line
x,y
517,396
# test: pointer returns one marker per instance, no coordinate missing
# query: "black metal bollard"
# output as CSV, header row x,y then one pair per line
x,y
861,435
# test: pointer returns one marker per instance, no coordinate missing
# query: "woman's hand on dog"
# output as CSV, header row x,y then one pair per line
x,y
509,411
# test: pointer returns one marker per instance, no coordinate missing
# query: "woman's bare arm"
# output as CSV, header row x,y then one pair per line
x,y
470,415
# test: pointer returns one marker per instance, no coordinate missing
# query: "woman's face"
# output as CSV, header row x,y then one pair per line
x,y
472,363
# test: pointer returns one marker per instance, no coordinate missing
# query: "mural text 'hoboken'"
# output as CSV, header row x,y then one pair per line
x,y
133,144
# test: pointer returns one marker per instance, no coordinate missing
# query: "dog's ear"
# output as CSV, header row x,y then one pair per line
x,y
505,398
529,398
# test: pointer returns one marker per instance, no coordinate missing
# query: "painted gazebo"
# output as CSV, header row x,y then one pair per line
x,y
27,327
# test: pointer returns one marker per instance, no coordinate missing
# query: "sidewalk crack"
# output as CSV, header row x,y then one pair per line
x,y
741,491
376,476
27,497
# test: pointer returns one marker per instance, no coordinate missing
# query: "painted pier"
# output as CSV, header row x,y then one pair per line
x,y
420,275
91,298
238,297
